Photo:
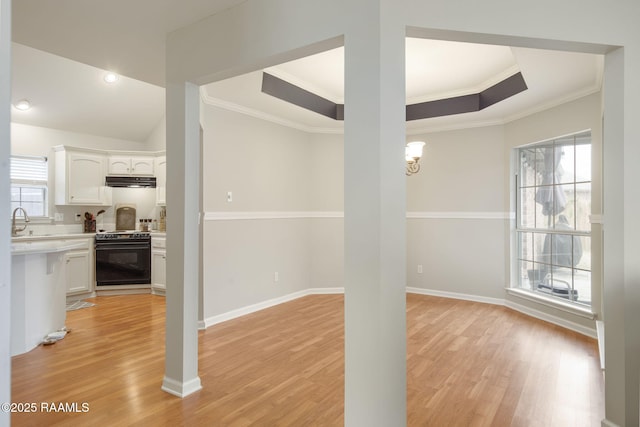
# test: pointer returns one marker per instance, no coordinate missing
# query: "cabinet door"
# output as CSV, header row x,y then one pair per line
x,y
158,269
142,166
85,179
119,165
161,180
78,272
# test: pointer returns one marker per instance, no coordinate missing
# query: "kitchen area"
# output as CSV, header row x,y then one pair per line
x,y
104,235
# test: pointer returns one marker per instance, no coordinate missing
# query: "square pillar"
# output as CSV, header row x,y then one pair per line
x,y
375,216
183,194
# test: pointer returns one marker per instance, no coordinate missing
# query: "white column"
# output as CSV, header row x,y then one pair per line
x,y
5,238
183,192
375,206
621,299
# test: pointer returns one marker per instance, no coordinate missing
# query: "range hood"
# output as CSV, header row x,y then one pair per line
x,y
131,181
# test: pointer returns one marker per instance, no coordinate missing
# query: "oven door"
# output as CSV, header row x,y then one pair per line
x,y
120,263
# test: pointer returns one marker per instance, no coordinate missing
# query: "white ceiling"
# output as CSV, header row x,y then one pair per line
x,y
435,70
67,94
72,96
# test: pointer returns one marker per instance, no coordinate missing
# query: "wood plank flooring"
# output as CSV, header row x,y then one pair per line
x,y
469,364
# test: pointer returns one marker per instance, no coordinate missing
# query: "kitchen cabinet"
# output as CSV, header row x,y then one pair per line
x,y
161,180
79,178
131,165
158,265
79,269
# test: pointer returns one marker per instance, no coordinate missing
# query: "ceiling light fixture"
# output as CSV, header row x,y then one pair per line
x,y
22,105
111,77
412,154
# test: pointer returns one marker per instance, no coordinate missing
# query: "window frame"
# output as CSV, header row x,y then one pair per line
x,y
21,179
517,286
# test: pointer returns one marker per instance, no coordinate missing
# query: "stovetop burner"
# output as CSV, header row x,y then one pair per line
x,y
123,234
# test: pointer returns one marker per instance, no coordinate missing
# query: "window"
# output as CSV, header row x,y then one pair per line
x,y
29,185
553,204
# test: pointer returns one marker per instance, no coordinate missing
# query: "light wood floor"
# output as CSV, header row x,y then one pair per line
x,y
469,364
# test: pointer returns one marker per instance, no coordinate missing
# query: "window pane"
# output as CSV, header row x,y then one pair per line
x,y
565,170
528,208
526,246
583,162
582,286
523,279
33,208
583,206
542,248
562,250
527,175
562,284
582,252
565,206
32,194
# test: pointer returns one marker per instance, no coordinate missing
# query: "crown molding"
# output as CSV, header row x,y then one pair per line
x,y
493,80
230,106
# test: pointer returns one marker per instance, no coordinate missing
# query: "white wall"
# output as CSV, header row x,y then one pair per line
x,y
37,141
265,166
157,140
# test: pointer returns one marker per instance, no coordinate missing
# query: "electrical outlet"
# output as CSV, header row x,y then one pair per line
x,y
78,217
229,196
58,216
419,268
276,276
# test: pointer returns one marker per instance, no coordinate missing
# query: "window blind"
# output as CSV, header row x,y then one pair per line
x,y
29,170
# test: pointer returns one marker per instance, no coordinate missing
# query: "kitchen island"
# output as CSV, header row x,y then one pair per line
x,y
38,291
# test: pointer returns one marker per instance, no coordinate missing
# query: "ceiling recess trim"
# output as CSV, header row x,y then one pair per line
x,y
281,89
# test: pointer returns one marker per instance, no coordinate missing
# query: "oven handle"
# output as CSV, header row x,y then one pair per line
x,y
120,247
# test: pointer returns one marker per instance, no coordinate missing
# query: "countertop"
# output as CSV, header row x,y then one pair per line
x,y
67,236
44,246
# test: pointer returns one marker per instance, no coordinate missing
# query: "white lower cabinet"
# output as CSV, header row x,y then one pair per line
x,y
158,265
78,266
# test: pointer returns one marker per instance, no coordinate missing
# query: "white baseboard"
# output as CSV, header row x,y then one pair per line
x,y
181,389
455,295
607,423
233,314
567,324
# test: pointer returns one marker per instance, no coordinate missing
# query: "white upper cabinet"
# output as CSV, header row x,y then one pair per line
x,y
161,180
131,165
79,178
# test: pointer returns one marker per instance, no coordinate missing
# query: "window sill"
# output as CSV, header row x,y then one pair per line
x,y
552,302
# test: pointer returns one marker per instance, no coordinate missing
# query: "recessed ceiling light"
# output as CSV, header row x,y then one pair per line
x,y
22,105
111,77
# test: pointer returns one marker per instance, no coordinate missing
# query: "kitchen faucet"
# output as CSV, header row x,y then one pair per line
x,y
14,229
